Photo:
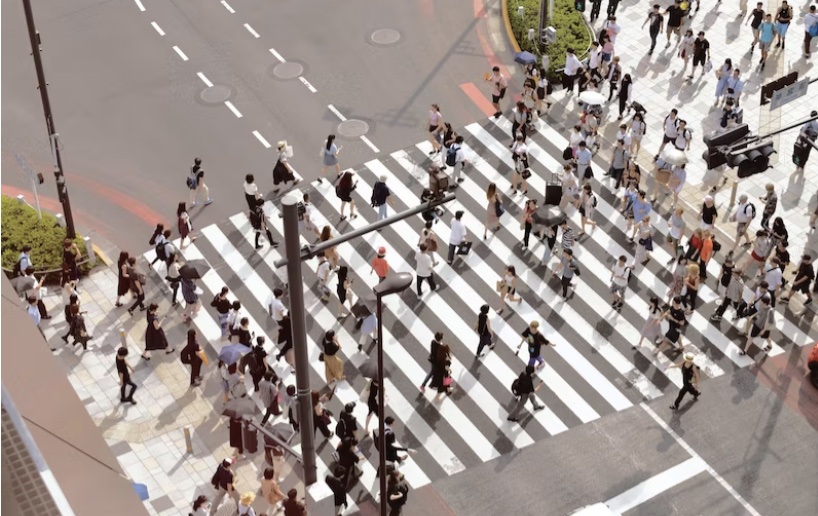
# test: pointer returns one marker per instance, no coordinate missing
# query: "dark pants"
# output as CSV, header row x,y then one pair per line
x,y
807,41
518,127
430,279
726,303
689,298
174,285
317,423
140,302
617,173
269,236
596,6
251,201
195,369
527,233
686,387
272,410
566,282
765,220
568,82
653,36
452,249
287,346
485,340
41,308
612,6
623,103
611,90
126,382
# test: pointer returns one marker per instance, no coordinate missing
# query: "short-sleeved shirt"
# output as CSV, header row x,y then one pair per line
x,y
805,270
656,20
688,372
758,16
535,341
675,15
700,46
709,213
277,308
122,368
498,83
381,266
34,313
250,188
767,32
584,157
323,270
567,268
620,274
677,225
678,314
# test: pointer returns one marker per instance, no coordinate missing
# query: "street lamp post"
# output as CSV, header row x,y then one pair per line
x,y
393,284
53,137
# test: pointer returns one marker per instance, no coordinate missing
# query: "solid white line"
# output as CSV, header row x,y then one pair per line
x,y
307,84
262,140
337,113
656,485
179,51
205,79
369,144
139,5
251,31
158,28
227,6
277,55
232,108
740,499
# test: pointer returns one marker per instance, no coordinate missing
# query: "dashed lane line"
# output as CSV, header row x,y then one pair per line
x,y
277,55
307,84
139,5
179,51
251,30
227,6
158,28
260,138
205,79
232,108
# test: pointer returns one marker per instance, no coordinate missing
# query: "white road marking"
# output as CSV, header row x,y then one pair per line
x,y
277,55
369,144
261,139
251,31
205,79
307,84
232,108
227,6
656,485
158,28
139,5
740,499
179,51
337,113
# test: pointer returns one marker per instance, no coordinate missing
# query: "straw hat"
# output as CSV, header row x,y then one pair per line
x,y
689,357
248,498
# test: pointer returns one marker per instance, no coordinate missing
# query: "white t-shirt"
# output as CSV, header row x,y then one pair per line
x,y
620,274
277,309
743,213
323,271
572,65
594,58
681,139
774,279
458,233
671,127
424,264
613,30
574,139
250,188
626,136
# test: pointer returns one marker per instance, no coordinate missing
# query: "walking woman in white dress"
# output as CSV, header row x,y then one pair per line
x,y
330,156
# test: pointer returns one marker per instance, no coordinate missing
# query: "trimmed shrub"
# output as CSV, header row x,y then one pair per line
x,y
572,31
20,226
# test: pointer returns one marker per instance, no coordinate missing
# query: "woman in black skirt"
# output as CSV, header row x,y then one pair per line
x,y
69,316
372,403
78,329
70,256
344,291
123,285
155,334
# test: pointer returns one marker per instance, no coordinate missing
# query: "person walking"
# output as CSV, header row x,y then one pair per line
x,y
222,306
271,492
174,277
424,269
196,184
201,506
329,155
722,74
755,18
494,208
519,117
675,18
782,22
499,84
344,191
123,284
690,379
70,255
77,328
641,209
323,274
441,372
292,506
435,128
613,76
191,297
321,416
331,253
759,255
765,40
398,492
652,329
800,283
691,288
154,334
191,355
770,201
587,208
333,366
763,321
573,68
657,23
484,331
706,253
732,296
251,193
810,22
381,197
525,391
625,94
372,403
734,87
569,269
245,507
436,343
596,6
124,371
73,299
184,225
379,265
676,231
268,393
507,287
223,482
671,128
535,340
258,221
675,316
744,214
457,235
519,156
701,54
137,285
619,161
619,282
282,170
527,220
344,291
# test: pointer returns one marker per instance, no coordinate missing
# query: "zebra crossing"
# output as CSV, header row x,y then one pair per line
x,y
592,371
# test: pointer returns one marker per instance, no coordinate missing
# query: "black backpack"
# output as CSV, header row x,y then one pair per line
x,y
379,194
515,387
185,356
451,155
160,251
301,210
15,271
341,427
255,220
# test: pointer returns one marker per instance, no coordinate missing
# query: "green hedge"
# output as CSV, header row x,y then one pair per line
x,y
571,28
20,226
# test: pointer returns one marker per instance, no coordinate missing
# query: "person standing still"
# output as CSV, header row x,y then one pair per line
x,y
499,84
124,371
657,23
690,379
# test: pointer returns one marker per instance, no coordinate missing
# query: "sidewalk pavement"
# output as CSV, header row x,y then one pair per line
x,y
659,86
148,438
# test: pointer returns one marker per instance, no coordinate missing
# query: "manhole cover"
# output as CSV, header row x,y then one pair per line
x,y
216,94
353,128
288,70
385,36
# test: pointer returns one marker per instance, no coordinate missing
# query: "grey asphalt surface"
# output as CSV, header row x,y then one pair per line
x,y
131,113
743,430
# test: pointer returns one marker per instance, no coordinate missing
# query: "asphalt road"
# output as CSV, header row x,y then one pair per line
x,y
132,113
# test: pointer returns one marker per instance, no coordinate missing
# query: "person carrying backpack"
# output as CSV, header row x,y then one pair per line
x,y
195,183
744,214
523,388
455,156
381,196
259,222
23,261
347,426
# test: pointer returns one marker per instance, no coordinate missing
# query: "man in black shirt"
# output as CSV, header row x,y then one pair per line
x,y
124,370
525,391
803,277
339,492
536,340
690,379
657,21
222,482
701,54
675,316
596,5
432,353
757,15
674,21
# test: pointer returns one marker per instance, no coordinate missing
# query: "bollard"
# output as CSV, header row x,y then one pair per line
x,y
60,220
89,248
733,193
520,11
122,338
21,199
188,440
531,34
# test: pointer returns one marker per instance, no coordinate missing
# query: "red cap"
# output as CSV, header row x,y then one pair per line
x,y
381,251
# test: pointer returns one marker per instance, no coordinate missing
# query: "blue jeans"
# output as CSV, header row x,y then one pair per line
x,y
428,377
536,360
382,211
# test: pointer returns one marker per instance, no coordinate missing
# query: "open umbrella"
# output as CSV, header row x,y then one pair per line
x,y
548,216
194,269
592,98
141,491
231,353
525,58
674,156
370,369
238,408
23,284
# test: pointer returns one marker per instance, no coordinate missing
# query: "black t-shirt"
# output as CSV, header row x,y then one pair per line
x,y
122,368
482,327
330,347
678,314
223,477
656,20
535,342
687,372
726,274
805,269
700,46
709,213
758,15
675,15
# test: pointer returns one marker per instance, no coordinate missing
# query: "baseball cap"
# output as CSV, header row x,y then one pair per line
x,y
381,251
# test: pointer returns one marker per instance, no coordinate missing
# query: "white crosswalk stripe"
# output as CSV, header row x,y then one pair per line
x,y
591,372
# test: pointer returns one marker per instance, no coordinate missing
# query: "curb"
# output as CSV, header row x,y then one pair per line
x,y
507,23
102,255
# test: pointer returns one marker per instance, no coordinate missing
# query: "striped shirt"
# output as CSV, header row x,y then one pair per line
x,y
567,238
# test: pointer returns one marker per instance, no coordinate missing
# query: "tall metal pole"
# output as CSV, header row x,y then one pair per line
x,y
381,425
292,245
53,137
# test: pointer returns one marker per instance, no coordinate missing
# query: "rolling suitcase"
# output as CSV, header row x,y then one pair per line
x,y
553,191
